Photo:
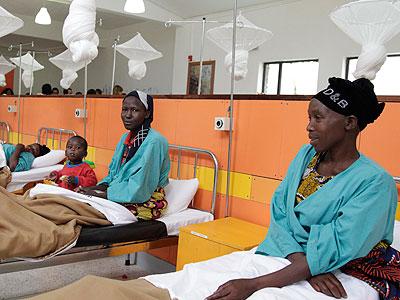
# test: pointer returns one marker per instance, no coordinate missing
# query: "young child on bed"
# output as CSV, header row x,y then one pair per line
x,y
75,172
20,157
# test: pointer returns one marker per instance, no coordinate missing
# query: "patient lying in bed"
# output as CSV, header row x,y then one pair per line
x,y
20,157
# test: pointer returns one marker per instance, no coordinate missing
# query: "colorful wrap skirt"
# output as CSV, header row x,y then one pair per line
x,y
380,269
151,209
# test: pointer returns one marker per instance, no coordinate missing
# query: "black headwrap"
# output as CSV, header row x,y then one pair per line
x,y
355,98
43,149
147,100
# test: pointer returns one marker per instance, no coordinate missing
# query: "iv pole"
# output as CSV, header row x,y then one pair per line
x,y
234,25
19,84
113,70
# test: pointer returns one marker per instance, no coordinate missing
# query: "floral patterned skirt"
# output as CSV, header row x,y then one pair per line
x,y
151,209
380,269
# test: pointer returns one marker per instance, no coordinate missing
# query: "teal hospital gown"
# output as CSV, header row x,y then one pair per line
x,y
341,221
136,180
25,159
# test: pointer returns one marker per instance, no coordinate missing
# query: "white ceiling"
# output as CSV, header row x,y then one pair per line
x,y
112,15
194,8
59,11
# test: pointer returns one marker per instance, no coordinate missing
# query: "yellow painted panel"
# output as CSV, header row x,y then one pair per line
x,y
262,189
240,184
13,137
103,156
28,139
398,211
193,249
91,153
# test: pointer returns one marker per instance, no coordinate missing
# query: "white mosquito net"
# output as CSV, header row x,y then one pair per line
x,y
79,31
138,51
5,67
28,65
370,23
8,22
248,37
69,68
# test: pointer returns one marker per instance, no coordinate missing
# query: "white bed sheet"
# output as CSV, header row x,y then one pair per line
x,y
19,179
199,280
183,218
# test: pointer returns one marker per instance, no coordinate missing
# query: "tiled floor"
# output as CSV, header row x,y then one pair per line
x,y
22,284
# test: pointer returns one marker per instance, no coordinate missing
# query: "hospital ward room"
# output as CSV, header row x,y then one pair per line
x,y
200,150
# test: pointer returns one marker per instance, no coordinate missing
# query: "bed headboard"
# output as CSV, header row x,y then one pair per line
x,y
192,156
4,132
56,136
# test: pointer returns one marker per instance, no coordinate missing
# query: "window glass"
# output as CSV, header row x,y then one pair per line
x,y
291,78
387,81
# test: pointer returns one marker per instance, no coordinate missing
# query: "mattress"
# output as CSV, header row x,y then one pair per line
x,y
19,179
142,230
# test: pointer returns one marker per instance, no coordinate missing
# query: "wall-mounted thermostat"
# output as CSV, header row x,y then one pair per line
x,y
80,113
222,123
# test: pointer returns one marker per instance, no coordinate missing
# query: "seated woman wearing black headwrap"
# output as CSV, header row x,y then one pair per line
x,y
335,209
140,165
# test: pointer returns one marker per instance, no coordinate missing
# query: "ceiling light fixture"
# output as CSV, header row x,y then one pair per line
x,y
134,6
43,17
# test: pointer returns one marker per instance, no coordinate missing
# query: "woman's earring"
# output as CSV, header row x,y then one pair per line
x,y
142,127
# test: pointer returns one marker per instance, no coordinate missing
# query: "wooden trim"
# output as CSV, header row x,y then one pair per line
x,y
219,97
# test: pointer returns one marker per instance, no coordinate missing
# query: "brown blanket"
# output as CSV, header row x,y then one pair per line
x,y
92,287
39,226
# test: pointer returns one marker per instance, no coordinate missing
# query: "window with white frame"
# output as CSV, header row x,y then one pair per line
x,y
298,77
387,81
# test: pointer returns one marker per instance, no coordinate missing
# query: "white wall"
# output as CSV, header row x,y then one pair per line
x,y
302,30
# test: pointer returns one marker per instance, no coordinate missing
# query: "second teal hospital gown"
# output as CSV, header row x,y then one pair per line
x,y
341,221
25,160
136,180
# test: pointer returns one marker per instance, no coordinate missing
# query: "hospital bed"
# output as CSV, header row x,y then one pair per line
x,y
4,132
54,139
118,240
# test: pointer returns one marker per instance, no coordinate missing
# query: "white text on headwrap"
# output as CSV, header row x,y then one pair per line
x,y
335,97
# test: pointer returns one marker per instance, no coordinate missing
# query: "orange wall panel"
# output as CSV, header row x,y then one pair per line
x,y
380,140
294,134
257,134
195,126
166,118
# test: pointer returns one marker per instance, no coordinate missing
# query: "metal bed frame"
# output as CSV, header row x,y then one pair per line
x,y
4,132
46,132
77,254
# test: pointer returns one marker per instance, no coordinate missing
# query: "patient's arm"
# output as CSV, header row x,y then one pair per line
x,y
19,148
242,288
100,187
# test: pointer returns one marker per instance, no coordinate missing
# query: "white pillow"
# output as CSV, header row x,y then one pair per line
x,y
179,194
50,159
396,236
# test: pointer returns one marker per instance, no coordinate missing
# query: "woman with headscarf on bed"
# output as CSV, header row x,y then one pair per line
x,y
335,209
140,165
